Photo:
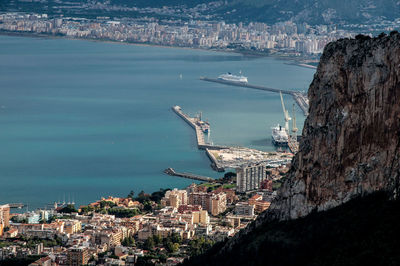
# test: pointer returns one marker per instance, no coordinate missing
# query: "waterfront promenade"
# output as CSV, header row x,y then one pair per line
x,y
299,97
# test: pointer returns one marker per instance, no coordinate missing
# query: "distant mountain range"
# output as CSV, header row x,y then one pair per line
x,y
314,11
269,11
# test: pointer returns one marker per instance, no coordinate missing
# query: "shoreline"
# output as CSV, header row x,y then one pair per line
x,y
294,61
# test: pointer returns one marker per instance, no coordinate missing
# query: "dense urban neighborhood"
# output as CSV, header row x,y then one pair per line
x,y
166,226
283,38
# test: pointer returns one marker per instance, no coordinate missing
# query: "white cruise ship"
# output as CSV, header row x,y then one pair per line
x,y
233,78
279,136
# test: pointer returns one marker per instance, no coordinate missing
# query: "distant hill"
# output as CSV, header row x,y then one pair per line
x,y
313,11
269,11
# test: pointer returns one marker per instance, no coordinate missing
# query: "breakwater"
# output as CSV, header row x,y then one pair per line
x,y
299,97
195,123
172,172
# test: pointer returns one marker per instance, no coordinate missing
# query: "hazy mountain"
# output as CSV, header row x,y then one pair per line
x,y
270,11
314,11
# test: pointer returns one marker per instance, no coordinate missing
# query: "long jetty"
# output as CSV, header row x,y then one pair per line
x,y
201,144
172,172
300,98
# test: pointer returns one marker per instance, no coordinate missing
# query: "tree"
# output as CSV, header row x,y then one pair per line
x,y
142,197
149,244
229,175
147,206
158,195
176,238
106,203
172,247
128,242
70,208
157,239
131,194
87,209
123,213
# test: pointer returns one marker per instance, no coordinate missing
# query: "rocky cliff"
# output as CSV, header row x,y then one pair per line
x,y
351,138
350,148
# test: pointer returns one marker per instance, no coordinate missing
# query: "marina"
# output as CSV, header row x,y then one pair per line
x,y
299,97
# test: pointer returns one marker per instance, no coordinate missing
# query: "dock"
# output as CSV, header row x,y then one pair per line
x,y
16,205
299,97
201,143
293,144
192,121
172,172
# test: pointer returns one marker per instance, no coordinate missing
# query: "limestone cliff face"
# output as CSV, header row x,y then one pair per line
x,y
351,138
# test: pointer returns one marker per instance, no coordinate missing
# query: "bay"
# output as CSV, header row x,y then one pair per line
x,y
80,120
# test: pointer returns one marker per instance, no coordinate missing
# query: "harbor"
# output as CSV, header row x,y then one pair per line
x,y
224,157
299,97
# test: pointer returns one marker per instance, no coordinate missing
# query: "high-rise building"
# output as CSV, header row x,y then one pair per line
x,y
5,214
4,217
77,256
250,177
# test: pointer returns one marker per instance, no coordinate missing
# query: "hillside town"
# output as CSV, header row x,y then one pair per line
x,y
283,38
166,226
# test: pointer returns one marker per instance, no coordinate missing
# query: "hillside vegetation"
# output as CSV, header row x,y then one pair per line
x,y
363,231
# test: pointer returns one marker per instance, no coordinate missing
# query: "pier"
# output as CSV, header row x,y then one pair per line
x,y
299,97
201,144
172,172
193,122
16,205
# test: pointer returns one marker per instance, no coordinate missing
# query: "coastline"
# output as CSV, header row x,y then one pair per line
x,y
293,61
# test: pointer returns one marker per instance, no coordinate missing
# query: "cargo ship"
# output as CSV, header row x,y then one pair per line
x,y
233,78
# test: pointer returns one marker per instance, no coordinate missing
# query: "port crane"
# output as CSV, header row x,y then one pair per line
x,y
294,127
286,114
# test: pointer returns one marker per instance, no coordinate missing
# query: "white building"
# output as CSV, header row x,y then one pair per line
x,y
249,177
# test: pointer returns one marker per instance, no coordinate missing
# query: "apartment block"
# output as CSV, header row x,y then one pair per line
x,y
250,177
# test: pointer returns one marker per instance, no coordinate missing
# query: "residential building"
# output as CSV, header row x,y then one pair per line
x,y
175,198
45,261
218,203
213,203
250,177
244,209
77,256
72,226
201,217
4,217
262,206
200,198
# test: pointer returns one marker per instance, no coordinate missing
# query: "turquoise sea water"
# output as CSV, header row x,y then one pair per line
x,y
85,119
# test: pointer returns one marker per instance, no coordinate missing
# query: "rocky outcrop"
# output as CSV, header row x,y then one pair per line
x,y
351,138
350,148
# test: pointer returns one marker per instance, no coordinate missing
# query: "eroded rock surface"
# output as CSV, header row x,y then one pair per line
x,y
351,138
